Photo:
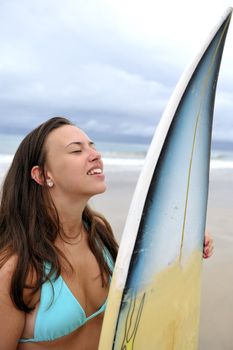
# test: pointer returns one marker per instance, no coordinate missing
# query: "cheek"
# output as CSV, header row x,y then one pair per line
x,y
67,172
70,174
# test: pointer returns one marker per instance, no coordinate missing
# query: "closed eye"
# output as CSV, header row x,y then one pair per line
x,y
92,145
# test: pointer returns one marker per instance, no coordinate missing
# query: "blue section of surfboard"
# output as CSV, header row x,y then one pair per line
x,y
155,291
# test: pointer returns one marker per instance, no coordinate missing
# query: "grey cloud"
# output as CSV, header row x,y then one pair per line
x,y
69,58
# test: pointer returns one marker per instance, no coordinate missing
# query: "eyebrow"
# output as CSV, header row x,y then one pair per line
x,y
80,143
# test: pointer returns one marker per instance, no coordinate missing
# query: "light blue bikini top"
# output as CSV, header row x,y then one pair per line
x,y
59,312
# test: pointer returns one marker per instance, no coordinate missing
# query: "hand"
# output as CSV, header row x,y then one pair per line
x,y
208,246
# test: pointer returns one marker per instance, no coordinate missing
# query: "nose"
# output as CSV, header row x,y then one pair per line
x,y
94,155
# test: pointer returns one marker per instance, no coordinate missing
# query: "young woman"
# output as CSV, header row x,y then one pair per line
x,y
56,254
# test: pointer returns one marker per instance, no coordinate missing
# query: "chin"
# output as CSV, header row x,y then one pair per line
x,y
102,189
98,190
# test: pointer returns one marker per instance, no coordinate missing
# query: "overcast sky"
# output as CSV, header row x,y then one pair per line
x,y
109,65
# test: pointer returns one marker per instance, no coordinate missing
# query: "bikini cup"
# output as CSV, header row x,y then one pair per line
x,y
59,312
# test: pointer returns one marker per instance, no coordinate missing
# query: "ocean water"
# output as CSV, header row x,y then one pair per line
x,y
116,156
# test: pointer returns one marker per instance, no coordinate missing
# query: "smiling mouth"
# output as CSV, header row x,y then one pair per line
x,y
96,171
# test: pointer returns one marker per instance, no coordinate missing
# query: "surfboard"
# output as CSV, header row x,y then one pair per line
x,y
154,298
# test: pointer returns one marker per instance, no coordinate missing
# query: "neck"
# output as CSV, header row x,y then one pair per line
x,y
70,215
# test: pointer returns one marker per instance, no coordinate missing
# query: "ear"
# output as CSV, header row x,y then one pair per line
x,y
37,175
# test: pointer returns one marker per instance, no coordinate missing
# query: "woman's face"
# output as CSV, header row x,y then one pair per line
x,y
73,164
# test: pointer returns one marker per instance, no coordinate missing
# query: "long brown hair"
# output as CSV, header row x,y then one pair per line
x,y
27,228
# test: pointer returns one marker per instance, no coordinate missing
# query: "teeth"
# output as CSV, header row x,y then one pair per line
x,y
94,171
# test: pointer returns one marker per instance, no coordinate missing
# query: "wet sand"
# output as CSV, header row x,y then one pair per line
x,y
217,277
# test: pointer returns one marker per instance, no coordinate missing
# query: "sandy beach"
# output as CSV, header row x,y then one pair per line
x,y
217,278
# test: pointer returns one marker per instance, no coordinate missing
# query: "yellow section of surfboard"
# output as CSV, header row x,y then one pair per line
x,y
172,287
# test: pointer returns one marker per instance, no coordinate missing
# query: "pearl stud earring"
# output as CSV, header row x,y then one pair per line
x,y
49,183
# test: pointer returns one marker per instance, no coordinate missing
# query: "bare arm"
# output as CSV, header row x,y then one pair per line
x,y
11,319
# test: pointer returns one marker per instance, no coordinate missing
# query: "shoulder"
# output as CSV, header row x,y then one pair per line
x,y
9,264
12,320
6,273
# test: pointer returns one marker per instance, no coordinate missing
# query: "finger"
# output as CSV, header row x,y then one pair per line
x,y
208,252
